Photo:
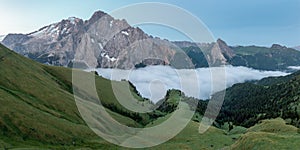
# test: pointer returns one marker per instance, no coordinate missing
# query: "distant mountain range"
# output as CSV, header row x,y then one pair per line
x,y
297,48
105,42
276,57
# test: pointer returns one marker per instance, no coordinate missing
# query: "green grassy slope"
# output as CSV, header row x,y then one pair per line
x,y
38,111
190,138
270,134
37,104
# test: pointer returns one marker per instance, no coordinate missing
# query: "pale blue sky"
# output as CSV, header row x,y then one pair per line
x,y
259,22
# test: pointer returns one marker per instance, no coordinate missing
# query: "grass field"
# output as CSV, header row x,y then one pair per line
x,y
38,111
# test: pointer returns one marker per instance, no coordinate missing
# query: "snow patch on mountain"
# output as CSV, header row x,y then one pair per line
x,y
51,55
125,32
111,23
110,58
51,30
56,29
72,20
105,55
100,45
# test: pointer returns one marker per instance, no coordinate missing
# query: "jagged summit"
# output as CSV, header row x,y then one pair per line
x,y
101,41
225,49
58,30
96,16
278,46
220,41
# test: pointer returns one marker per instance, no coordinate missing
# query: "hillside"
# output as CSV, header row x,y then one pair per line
x,y
39,106
39,112
269,134
247,103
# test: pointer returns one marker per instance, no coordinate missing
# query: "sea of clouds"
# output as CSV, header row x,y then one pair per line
x,y
153,81
294,67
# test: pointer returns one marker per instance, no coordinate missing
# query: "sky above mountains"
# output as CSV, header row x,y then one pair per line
x,y
252,22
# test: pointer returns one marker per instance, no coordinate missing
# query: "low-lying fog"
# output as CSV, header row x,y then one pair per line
x,y
153,81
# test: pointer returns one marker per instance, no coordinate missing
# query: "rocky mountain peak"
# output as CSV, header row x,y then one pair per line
x,y
215,56
278,46
57,31
101,41
221,42
96,16
225,49
72,20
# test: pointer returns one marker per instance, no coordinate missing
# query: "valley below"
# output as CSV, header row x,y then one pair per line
x,y
153,82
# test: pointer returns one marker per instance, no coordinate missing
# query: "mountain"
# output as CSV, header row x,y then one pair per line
x,y
276,57
105,42
101,41
202,54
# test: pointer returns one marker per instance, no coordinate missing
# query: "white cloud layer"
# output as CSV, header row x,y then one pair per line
x,y
294,67
153,81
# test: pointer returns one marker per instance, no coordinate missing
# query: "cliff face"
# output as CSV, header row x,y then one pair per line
x,y
216,53
101,41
